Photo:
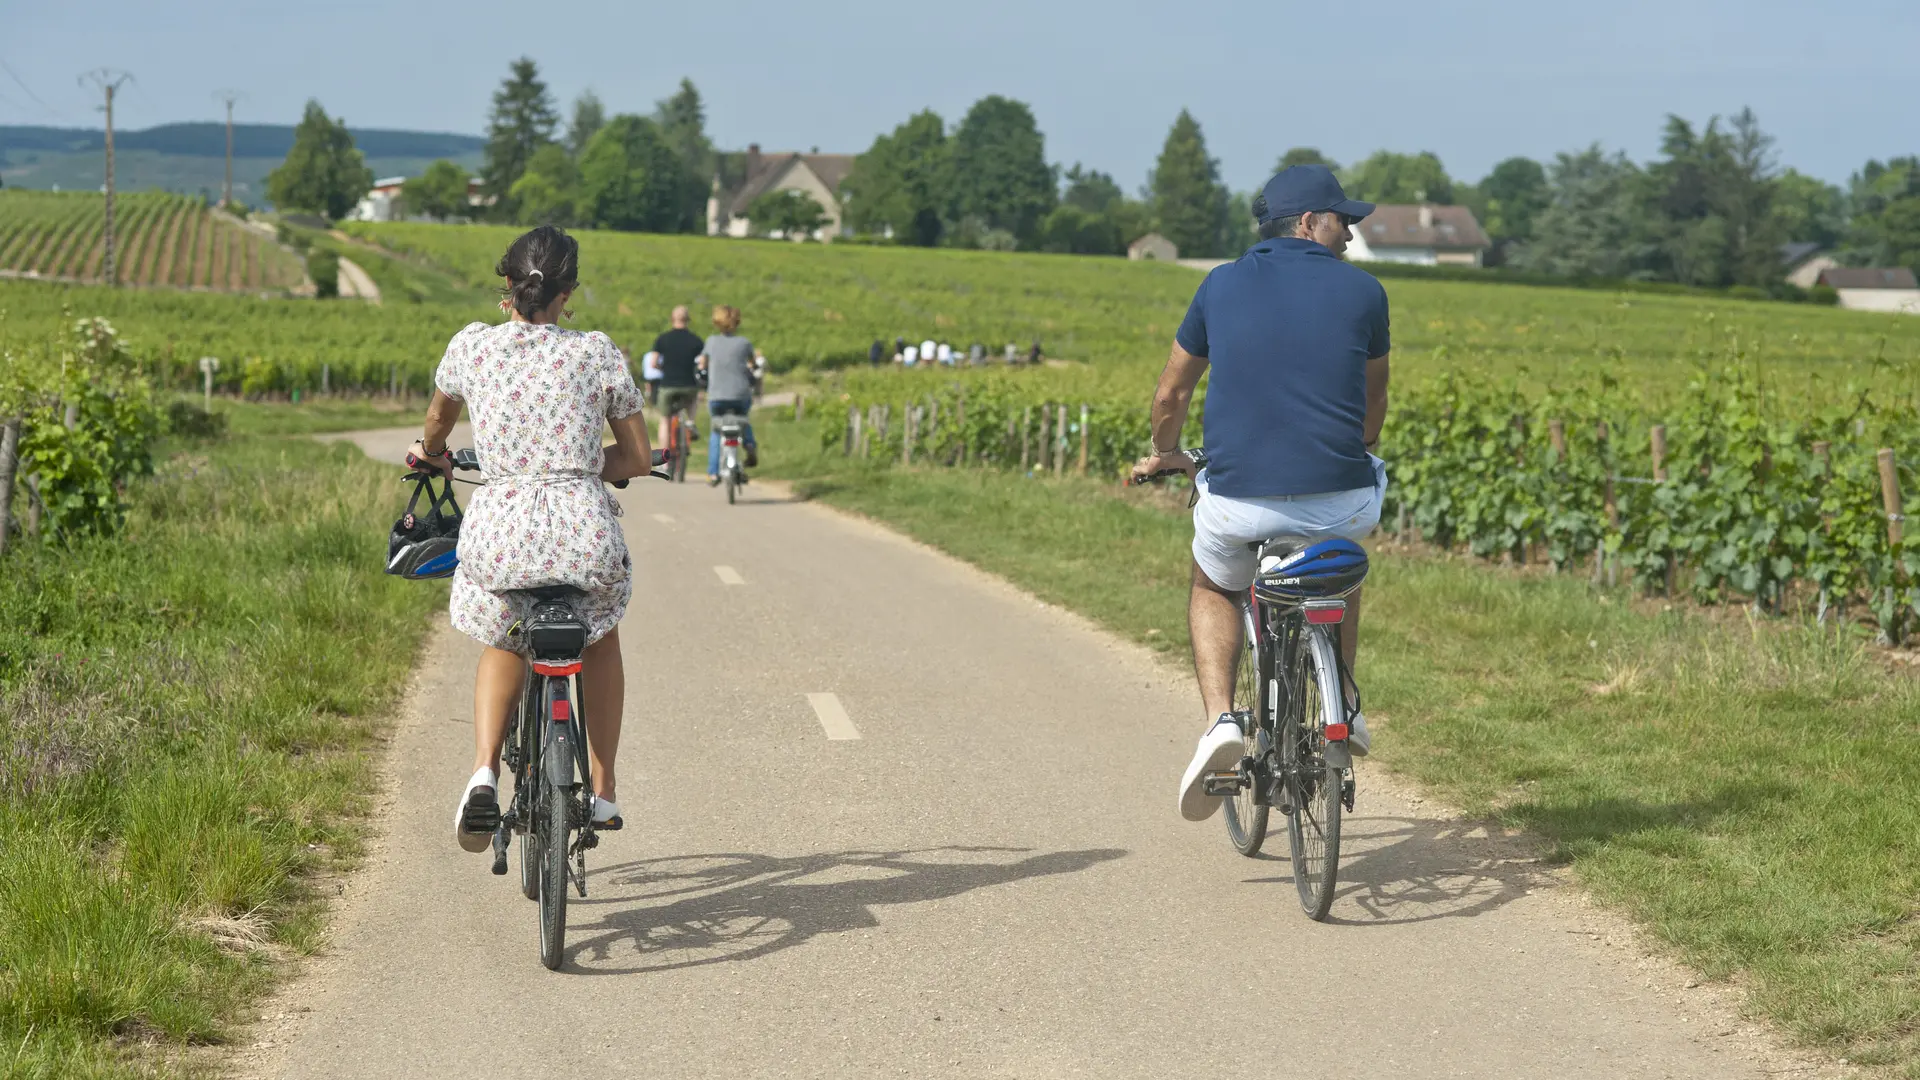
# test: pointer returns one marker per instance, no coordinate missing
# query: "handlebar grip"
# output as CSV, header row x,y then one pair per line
x,y
620,483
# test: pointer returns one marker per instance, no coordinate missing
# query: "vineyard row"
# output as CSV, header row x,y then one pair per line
x,y
1712,500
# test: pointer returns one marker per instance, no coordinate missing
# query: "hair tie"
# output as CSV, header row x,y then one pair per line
x,y
537,273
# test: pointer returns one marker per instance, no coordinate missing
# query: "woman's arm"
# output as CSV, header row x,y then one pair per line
x,y
631,454
442,413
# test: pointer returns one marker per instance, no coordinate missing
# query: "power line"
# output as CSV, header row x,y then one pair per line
x,y
4,66
108,80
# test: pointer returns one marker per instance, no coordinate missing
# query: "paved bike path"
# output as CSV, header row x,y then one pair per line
x,y
991,879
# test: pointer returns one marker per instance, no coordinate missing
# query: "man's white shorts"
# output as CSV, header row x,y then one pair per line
x,y
1223,527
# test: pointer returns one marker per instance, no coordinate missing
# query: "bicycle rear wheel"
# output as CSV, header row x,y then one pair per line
x,y
552,815
680,448
1313,786
733,481
1246,812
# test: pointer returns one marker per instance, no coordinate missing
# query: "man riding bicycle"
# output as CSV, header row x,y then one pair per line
x,y
679,349
1297,341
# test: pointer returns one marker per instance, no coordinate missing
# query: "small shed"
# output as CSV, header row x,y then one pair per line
x,y
1874,288
1153,246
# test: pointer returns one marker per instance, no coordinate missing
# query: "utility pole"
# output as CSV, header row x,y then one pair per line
x,y
228,97
109,80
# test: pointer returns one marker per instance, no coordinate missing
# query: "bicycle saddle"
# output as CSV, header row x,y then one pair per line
x,y
1308,571
1279,546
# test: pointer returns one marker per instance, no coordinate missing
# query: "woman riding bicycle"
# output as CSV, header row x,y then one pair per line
x,y
539,397
728,359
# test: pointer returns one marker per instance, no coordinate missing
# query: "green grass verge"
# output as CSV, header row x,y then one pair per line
x,y
313,416
1748,792
186,734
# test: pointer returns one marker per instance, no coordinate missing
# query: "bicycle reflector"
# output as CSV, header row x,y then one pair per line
x,y
546,667
1324,612
1336,732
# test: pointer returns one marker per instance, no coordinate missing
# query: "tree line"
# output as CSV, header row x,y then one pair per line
x,y
1713,209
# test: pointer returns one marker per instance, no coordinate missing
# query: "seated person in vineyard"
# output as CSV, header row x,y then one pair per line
x,y
1297,341
679,350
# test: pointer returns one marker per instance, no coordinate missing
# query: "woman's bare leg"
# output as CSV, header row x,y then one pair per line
x,y
496,689
603,683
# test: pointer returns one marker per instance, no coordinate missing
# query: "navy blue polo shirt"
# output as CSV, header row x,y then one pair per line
x,y
1287,330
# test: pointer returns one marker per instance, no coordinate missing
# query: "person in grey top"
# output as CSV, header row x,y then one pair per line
x,y
728,361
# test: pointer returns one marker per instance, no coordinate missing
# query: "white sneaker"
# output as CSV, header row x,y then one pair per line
x,y
478,814
606,814
1220,750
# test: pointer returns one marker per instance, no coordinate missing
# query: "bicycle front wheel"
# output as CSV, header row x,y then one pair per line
x,y
1246,811
1312,785
552,815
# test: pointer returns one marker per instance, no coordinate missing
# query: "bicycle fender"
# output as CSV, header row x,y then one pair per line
x,y
557,735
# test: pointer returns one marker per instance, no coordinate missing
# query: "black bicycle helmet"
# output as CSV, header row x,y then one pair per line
x,y
426,545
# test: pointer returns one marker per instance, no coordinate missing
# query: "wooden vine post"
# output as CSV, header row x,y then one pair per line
x,y
1896,529
1557,435
1043,448
853,430
799,407
1083,439
1060,443
909,415
1026,443
965,454
1658,438
1607,501
9,465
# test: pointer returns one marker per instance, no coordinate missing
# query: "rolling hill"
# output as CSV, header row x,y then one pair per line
x,y
191,158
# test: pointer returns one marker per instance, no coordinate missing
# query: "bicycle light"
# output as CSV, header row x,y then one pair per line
x,y
1325,612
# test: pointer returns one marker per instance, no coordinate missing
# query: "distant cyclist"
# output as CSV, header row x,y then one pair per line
x,y
539,397
679,350
1297,341
728,360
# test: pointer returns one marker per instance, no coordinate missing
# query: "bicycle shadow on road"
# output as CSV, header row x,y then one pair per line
x,y
1400,870
688,911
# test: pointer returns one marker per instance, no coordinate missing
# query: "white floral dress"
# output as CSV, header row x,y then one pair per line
x,y
538,397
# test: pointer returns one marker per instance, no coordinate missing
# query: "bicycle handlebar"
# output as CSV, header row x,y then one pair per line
x,y
468,461
1195,455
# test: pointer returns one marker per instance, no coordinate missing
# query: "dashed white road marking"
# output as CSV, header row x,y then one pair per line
x,y
664,519
833,716
729,576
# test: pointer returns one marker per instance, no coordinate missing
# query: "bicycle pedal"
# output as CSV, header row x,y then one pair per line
x,y
1225,784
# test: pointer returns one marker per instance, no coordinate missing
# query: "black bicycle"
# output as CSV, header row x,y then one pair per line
x,y
546,751
1287,697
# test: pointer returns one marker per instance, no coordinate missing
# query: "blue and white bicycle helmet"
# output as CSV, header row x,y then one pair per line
x,y
1318,571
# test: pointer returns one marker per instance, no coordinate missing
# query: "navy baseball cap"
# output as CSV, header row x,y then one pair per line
x,y
1308,189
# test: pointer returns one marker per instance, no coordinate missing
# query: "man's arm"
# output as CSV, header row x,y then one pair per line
x,y
1171,401
1378,375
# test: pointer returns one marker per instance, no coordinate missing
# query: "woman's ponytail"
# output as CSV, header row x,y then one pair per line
x,y
541,265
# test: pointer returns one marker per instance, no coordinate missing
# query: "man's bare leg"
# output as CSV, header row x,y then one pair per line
x,y
1350,647
1214,624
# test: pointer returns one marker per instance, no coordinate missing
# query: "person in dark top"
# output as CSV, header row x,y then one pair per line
x,y
876,353
1296,341
679,348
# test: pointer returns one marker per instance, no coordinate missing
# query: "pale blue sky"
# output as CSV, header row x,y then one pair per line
x,y
1836,83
